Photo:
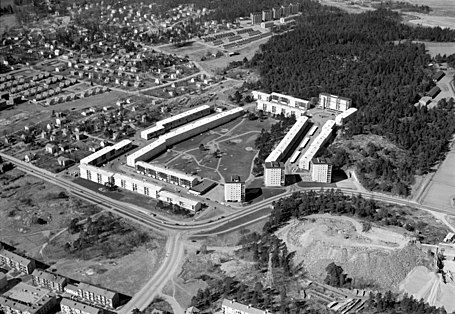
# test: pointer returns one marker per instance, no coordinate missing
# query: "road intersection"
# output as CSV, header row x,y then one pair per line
x,y
177,232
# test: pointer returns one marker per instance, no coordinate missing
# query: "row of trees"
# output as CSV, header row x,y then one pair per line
x,y
301,204
368,57
268,139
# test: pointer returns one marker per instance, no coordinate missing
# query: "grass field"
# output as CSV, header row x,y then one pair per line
x,y
189,165
236,158
441,189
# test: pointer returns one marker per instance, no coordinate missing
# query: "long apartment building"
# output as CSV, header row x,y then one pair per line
x,y
341,118
181,134
93,294
144,187
334,102
49,280
294,134
69,306
107,153
316,145
276,103
166,174
27,299
182,118
16,261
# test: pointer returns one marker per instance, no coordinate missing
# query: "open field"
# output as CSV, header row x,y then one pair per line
x,y
435,48
34,217
7,21
183,51
126,274
441,189
439,7
238,155
235,141
380,258
32,211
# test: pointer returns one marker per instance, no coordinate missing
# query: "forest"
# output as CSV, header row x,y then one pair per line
x,y
370,58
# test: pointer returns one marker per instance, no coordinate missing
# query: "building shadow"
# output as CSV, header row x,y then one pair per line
x,y
252,193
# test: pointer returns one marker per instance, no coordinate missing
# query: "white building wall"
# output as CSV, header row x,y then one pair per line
x,y
273,176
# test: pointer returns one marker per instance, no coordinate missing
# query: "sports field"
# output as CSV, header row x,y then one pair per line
x,y
441,190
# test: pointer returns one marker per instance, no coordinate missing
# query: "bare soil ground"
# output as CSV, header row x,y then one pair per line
x,y
23,200
441,190
34,216
425,284
7,21
379,257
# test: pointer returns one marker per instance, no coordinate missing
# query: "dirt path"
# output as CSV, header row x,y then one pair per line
x,y
41,251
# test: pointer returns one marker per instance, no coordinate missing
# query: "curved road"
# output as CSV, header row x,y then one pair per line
x,y
174,247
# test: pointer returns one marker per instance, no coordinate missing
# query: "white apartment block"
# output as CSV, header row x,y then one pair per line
x,y
27,299
94,294
166,174
182,118
321,170
341,118
107,153
16,262
181,134
316,145
233,307
49,280
276,103
333,102
274,174
137,185
234,190
68,306
282,149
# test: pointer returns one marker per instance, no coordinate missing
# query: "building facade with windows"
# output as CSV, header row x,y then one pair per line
x,y
93,294
166,174
234,189
182,118
49,280
321,170
27,299
137,185
276,103
256,18
69,306
16,261
107,153
274,174
333,102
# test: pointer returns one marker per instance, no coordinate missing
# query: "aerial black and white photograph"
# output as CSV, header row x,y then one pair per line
x,y
227,156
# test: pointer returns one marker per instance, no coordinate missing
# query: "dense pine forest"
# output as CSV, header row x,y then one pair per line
x,y
370,58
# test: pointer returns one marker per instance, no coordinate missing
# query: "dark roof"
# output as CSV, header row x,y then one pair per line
x,y
438,75
321,160
234,179
274,164
203,187
434,91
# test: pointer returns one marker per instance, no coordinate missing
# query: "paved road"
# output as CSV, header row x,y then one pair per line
x,y
169,266
174,247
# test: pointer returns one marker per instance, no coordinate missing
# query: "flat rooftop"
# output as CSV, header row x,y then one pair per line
x,y
26,293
